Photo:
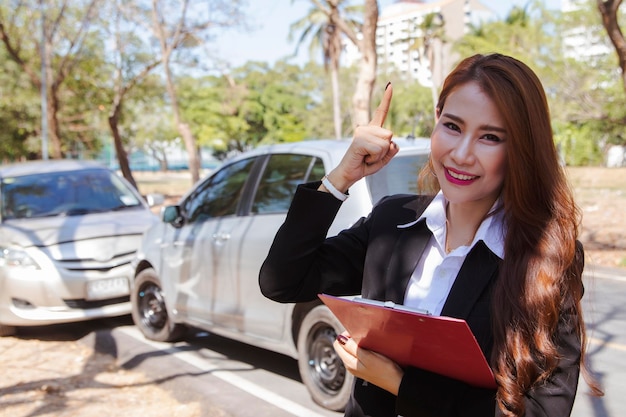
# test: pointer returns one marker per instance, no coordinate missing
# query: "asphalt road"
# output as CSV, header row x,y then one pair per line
x,y
240,380
245,381
605,316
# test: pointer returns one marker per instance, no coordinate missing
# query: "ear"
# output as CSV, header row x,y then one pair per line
x,y
437,114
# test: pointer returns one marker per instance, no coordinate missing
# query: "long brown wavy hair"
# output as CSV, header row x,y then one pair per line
x,y
541,274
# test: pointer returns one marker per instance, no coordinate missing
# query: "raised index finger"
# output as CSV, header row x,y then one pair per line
x,y
383,108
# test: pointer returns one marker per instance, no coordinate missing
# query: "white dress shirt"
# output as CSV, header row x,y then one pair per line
x,y
432,280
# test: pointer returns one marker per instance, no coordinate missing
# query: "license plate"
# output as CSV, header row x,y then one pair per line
x,y
107,288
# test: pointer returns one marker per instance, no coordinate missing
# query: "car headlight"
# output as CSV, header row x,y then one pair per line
x,y
13,257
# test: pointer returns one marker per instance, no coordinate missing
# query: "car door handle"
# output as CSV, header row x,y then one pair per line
x,y
221,237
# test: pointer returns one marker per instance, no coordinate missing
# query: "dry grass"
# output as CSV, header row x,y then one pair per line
x,y
601,194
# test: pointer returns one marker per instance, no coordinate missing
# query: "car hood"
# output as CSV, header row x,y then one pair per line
x,y
48,231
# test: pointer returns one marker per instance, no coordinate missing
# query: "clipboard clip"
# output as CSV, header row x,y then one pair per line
x,y
392,305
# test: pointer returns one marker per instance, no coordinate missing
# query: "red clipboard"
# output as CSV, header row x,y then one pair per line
x,y
439,344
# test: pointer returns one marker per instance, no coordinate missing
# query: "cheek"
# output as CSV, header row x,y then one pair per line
x,y
498,166
437,145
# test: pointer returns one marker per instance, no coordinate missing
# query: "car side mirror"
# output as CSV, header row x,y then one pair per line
x,y
171,215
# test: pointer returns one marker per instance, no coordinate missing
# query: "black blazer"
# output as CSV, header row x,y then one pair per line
x,y
375,258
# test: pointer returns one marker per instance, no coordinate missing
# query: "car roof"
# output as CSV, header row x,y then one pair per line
x,y
334,148
47,166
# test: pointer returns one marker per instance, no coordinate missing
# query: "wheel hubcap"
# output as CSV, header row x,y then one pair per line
x,y
325,366
152,307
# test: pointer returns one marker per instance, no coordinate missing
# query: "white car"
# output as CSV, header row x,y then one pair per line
x,y
199,267
68,233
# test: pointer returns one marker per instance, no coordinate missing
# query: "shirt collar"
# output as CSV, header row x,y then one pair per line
x,y
490,231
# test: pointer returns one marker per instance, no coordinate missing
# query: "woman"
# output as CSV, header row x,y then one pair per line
x,y
495,246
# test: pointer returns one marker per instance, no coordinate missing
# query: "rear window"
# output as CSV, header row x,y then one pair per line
x,y
65,193
397,177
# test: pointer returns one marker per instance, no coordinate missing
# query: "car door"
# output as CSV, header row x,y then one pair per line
x,y
195,254
249,244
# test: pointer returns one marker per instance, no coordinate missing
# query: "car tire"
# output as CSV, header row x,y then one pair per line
x,y
321,369
7,330
149,310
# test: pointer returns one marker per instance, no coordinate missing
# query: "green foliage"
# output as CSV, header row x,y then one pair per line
x,y
75,61
256,104
284,103
411,111
318,115
147,121
585,94
260,103
20,107
578,144
530,39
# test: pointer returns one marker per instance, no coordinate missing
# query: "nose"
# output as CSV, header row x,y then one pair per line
x,y
463,151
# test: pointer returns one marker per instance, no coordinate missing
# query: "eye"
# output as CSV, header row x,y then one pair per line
x,y
492,138
452,126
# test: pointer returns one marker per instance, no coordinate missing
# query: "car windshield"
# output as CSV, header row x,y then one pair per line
x,y
399,176
64,193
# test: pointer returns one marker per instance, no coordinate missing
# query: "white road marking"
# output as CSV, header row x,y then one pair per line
x,y
593,273
240,383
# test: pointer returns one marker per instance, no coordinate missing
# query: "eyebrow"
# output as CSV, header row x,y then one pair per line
x,y
489,128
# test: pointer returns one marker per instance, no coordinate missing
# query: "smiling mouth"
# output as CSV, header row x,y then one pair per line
x,y
461,177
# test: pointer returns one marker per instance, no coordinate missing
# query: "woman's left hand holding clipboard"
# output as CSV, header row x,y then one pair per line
x,y
367,365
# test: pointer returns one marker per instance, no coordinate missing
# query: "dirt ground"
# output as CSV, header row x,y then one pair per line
x,y
601,195
49,378
45,377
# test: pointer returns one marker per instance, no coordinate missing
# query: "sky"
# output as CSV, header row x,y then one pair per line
x,y
268,40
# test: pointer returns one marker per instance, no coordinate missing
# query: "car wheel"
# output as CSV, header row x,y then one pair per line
x,y
149,311
321,369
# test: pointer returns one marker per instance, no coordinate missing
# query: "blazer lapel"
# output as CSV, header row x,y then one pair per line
x,y
479,268
406,253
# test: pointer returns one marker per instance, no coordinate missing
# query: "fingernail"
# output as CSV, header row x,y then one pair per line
x,y
342,339
387,86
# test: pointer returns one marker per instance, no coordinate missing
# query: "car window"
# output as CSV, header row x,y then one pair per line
x,y
64,193
399,176
220,194
283,173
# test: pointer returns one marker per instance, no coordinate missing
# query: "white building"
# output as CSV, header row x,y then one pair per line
x,y
399,28
580,43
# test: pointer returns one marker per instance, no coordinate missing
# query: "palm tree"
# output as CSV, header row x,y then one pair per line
x,y
431,36
321,28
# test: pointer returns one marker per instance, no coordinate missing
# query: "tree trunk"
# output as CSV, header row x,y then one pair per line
x,y
609,10
434,90
52,104
192,149
53,124
122,157
332,54
163,164
181,125
361,100
334,80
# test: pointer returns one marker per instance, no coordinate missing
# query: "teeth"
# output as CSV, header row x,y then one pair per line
x,y
461,176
